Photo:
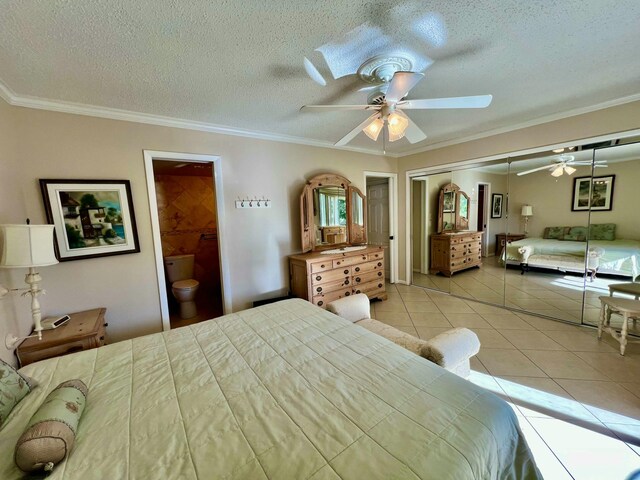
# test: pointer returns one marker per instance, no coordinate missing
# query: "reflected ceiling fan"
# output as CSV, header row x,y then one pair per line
x,y
565,164
388,102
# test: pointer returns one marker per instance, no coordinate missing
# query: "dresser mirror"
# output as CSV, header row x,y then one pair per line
x,y
453,209
332,213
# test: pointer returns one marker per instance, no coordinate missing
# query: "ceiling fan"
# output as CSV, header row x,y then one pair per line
x,y
565,164
388,102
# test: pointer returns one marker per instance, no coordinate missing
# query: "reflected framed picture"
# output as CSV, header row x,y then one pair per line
x,y
496,205
594,193
448,203
92,218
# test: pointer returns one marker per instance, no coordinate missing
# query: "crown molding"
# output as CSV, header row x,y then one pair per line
x,y
38,103
129,116
529,123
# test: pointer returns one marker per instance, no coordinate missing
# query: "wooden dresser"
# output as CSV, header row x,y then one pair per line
x,y
322,278
84,331
452,252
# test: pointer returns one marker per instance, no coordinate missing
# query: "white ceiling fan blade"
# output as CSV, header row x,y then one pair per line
x,y
325,108
413,133
477,101
351,135
400,85
547,167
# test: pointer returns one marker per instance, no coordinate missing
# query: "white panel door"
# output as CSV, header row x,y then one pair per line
x,y
378,219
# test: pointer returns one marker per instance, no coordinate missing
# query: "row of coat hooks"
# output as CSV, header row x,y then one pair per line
x,y
255,202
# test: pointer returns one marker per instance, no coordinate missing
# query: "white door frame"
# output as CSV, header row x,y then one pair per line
x,y
393,219
486,215
225,278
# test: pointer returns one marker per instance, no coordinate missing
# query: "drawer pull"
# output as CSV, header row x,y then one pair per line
x,y
357,269
346,294
322,266
379,274
102,338
379,264
106,324
346,282
357,291
346,272
338,262
379,285
320,303
358,279
319,289
318,278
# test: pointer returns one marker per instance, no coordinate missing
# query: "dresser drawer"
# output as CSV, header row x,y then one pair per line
x,y
368,267
330,275
343,262
324,300
368,277
332,286
376,256
370,287
321,266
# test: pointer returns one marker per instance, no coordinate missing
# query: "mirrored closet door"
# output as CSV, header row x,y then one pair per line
x,y
546,233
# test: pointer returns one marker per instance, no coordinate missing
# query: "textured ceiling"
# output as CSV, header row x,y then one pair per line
x,y
240,63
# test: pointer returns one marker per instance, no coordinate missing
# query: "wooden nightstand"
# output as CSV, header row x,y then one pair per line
x,y
85,330
502,239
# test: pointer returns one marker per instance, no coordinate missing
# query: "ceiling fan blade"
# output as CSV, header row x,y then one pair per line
x,y
476,101
413,133
547,167
400,85
325,108
351,135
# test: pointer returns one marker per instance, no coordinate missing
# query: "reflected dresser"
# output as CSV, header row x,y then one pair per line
x,y
322,278
452,252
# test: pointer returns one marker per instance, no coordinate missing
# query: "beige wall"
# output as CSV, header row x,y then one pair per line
x,y
57,145
602,122
551,200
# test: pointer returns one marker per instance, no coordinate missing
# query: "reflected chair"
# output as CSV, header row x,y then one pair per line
x,y
627,308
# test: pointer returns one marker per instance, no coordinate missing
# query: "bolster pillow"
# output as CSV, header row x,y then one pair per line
x,y
51,431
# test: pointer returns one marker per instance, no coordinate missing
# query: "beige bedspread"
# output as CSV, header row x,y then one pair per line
x,y
283,391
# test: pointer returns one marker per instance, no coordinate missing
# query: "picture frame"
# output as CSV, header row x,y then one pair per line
x,y
593,193
92,218
496,205
449,202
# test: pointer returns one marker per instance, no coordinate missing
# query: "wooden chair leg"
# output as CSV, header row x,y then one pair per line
x,y
623,333
601,322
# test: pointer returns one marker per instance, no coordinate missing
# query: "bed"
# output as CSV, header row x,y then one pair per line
x,y
283,391
618,257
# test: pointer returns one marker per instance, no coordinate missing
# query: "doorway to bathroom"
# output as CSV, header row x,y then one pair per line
x,y
184,194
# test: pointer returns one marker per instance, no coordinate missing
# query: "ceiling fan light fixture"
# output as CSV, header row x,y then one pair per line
x,y
397,125
373,129
557,172
558,150
569,170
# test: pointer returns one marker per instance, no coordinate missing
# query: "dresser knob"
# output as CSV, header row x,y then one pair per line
x,y
106,324
358,279
346,294
318,278
346,272
379,264
321,266
379,285
379,274
319,289
357,269
346,282
320,303
338,262
357,291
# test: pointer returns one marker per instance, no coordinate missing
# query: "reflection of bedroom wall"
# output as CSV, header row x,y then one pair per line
x,y
467,180
551,200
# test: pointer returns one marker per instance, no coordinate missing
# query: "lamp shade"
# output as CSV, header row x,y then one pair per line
x,y
27,246
527,211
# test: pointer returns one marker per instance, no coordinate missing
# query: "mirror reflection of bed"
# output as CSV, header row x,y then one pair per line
x,y
573,249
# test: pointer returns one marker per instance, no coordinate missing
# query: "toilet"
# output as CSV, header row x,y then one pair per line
x,y
180,274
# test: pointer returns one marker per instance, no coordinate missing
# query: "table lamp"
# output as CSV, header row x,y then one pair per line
x,y
527,211
28,246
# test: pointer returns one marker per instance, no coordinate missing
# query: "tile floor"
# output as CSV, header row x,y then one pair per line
x,y
577,398
544,292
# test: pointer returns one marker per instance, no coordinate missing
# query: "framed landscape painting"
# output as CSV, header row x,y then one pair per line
x,y
600,189
92,218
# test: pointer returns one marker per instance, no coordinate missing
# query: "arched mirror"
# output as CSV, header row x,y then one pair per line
x,y
332,213
453,209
